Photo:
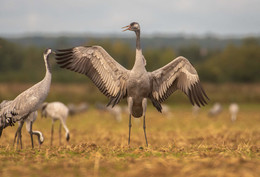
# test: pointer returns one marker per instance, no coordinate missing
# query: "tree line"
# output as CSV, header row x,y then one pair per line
x,y
231,64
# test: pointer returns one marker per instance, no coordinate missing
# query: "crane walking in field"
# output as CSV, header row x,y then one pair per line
x,y
138,85
56,111
28,101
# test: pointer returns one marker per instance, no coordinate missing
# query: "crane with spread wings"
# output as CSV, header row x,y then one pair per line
x,y
137,85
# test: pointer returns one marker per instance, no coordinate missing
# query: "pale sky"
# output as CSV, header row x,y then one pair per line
x,y
221,17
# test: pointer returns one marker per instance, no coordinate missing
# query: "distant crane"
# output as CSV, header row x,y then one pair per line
x,y
195,111
138,85
28,101
76,109
233,109
215,110
116,111
166,110
56,111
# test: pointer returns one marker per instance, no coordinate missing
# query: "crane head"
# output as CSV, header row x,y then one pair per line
x,y
134,26
47,52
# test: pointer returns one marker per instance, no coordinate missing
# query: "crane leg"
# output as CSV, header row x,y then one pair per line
x,y
144,105
130,105
18,134
31,134
1,130
60,133
15,136
19,139
130,125
145,131
52,127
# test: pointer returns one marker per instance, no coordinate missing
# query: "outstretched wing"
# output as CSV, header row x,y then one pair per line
x,y
178,74
107,74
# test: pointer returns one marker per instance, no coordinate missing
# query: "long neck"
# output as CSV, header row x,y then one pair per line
x,y
139,61
39,134
138,45
47,66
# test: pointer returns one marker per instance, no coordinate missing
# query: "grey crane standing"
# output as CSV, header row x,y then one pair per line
x,y
28,101
56,111
138,85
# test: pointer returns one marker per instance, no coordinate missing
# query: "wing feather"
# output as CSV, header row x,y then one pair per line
x,y
93,61
177,75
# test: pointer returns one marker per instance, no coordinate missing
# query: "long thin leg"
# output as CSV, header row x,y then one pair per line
x,y
16,133
20,134
145,132
130,125
130,105
20,139
144,104
20,125
31,134
19,130
15,136
60,133
52,127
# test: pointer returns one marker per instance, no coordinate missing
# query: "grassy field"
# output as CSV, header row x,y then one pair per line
x,y
180,145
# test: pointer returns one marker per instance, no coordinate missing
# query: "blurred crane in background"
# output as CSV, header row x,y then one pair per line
x,y
215,110
233,109
76,109
116,111
56,111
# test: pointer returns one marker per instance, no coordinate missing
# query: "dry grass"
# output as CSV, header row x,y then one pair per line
x,y
180,146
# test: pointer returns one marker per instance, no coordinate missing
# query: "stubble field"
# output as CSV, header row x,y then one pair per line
x,y
180,145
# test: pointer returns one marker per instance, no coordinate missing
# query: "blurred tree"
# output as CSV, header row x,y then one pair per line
x,y
237,64
158,57
192,52
11,56
250,41
233,64
62,42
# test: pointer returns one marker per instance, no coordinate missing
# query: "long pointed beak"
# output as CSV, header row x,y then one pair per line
x,y
126,28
